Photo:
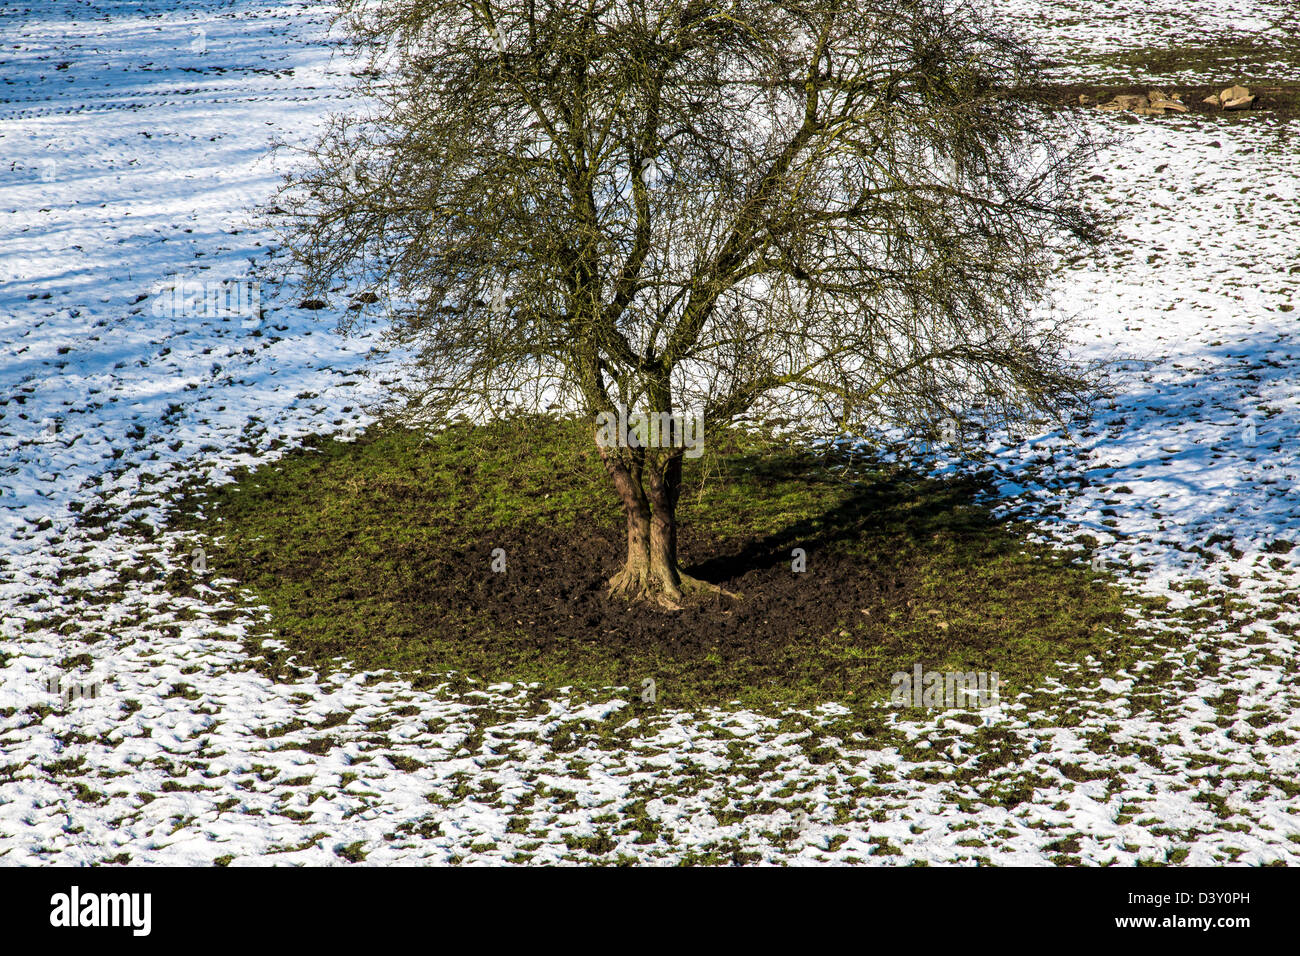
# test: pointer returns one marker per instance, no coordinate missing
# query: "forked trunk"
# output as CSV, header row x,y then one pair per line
x,y
649,488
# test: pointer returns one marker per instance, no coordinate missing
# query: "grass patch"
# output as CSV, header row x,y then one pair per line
x,y
380,551
1244,59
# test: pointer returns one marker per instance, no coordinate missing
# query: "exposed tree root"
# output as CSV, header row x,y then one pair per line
x,y
641,584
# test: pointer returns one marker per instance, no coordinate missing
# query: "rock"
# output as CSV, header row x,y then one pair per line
x,y
1130,102
1163,100
1240,103
1085,99
1155,102
1234,93
1212,100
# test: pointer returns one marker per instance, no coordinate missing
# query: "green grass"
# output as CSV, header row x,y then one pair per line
x,y
342,540
1224,61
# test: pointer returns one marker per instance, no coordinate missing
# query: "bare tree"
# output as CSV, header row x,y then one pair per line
x,y
841,210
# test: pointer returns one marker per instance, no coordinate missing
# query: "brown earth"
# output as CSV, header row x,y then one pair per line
x,y
1282,101
554,588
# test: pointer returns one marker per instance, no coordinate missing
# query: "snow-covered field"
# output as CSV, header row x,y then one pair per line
x,y
134,150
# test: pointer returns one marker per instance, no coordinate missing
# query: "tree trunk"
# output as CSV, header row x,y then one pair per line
x,y
665,481
634,578
649,487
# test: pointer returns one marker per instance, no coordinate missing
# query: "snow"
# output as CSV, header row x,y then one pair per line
x,y
1081,36
135,155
